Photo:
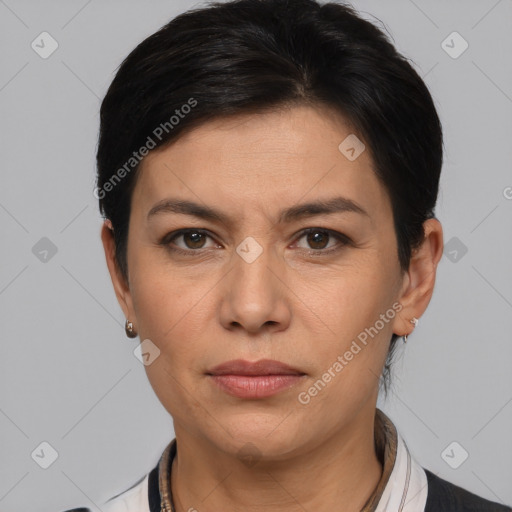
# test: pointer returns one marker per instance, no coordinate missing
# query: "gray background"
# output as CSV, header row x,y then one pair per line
x,y
68,375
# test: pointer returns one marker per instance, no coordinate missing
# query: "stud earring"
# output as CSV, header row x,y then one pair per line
x,y
129,329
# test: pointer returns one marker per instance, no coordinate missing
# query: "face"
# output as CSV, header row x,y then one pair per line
x,y
249,273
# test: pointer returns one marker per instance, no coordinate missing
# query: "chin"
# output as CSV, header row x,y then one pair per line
x,y
261,435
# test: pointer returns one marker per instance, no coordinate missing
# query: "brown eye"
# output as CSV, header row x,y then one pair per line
x,y
194,239
318,239
186,240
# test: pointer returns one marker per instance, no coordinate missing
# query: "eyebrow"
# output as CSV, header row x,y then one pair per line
x,y
320,207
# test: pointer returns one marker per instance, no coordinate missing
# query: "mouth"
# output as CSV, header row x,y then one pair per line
x,y
256,368
254,380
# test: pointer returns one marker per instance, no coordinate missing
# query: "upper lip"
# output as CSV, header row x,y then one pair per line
x,y
261,367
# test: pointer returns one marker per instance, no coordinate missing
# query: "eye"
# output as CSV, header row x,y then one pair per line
x,y
318,240
192,238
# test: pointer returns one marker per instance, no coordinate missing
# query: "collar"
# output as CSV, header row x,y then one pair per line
x,y
402,487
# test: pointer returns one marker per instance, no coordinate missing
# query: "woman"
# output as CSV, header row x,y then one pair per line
x,y
268,172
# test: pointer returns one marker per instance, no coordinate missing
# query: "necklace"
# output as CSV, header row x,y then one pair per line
x,y
166,501
385,443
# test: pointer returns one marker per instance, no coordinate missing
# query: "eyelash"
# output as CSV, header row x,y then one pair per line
x,y
342,239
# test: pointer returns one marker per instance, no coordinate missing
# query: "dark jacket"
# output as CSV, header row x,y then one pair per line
x,y
444,496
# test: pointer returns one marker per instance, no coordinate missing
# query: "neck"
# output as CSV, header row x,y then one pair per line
x,y
341,472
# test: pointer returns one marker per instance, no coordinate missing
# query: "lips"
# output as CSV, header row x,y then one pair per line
x,y
254,380
257,368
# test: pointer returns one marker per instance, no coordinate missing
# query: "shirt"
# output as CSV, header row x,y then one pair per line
x,y
404,486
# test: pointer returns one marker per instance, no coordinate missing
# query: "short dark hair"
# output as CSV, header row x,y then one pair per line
x,y
247,56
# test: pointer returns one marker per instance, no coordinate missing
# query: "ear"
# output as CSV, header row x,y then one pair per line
x,y
418,285
121,286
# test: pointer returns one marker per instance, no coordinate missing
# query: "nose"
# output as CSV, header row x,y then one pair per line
x,y
255,296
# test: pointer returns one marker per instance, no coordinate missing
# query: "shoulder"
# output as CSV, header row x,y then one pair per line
x,y
142,496
444,496
134,499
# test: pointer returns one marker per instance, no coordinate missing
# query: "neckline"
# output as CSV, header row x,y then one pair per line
x,y
386,442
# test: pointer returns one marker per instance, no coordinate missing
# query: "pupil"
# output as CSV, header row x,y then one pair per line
x,y
316,237
196,239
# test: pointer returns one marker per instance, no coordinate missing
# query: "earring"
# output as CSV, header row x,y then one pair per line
x,y
413,321
130,331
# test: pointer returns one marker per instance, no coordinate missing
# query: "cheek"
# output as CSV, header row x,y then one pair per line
x,y
349,359
156,304
172,310
353,298
174,321
350,308
158,294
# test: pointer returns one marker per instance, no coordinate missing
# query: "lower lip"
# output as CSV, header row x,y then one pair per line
x,y
258,386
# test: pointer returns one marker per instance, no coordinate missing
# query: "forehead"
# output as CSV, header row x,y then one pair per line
x,y
262,159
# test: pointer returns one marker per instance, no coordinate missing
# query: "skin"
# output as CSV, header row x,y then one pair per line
x,y
210,306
